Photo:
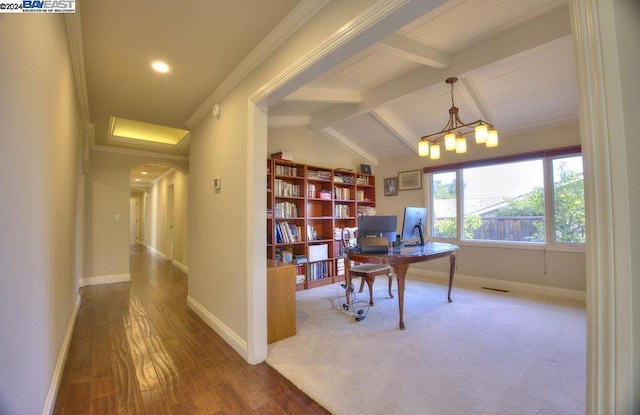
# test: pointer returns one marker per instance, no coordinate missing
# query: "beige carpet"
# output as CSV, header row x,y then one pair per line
x,y
485,353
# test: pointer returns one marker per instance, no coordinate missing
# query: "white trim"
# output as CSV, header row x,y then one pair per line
x,y
287,27
289,121
425,275
73,23
132,152
358,26
256,289
602,277
50,402
104,279
181,266
219,327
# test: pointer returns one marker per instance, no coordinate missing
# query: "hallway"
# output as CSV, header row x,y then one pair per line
x,y
138,349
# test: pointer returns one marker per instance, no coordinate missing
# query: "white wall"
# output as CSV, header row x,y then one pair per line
x,y
550,267
40,144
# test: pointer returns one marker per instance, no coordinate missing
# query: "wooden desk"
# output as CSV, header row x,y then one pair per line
x,y
281,301
399,258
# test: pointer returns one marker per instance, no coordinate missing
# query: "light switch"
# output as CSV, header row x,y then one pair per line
x,y
116,217
217,183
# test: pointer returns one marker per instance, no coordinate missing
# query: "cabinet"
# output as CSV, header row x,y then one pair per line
x,y
281,301
307,208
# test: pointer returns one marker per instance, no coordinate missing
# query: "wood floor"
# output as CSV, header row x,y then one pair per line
x,y
138,349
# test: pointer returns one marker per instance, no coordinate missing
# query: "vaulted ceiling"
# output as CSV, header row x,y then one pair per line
x,y
514,60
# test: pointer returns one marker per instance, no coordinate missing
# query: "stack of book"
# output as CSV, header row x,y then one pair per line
x,y
366,210
283,155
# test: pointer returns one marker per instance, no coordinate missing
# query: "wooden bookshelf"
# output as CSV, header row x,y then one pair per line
x,y
305,206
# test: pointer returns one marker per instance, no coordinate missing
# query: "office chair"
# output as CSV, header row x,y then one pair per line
x,y
366,272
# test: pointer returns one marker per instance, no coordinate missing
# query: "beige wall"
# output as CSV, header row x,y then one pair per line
x,y
40,141
157,234
106,251
227,265
564,269
312,148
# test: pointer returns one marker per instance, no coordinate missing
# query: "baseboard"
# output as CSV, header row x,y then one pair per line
x,y
219,327
50,403
424,275
156,252
181,266
104,279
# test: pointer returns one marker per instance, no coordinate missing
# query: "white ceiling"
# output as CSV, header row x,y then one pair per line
x,y
513,58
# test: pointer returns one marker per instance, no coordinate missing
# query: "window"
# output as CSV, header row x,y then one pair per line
x,y
445,221
534,198
568,200
504,202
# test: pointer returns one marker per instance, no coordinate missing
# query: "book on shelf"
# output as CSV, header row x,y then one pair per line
x,y
324,194
283,155
288,232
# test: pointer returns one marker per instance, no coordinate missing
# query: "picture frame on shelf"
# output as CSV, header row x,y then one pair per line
x,y
409,180
365,169
391,186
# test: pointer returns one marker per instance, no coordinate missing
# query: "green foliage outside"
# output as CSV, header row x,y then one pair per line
x,y
569,225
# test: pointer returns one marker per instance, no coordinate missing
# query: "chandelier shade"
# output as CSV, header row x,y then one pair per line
x,y
453,133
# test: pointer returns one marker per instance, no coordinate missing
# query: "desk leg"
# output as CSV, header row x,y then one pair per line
x,y
452,260
400,271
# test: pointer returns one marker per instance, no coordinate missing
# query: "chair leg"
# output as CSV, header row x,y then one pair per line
x,y
370,281
361,284
390,281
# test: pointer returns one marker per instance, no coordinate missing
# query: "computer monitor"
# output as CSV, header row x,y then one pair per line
x,y
378,226
414,225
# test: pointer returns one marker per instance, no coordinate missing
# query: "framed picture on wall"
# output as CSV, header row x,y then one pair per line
x,y
410,180
391,186
365,169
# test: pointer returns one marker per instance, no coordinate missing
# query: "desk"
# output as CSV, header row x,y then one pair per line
x,y
400,257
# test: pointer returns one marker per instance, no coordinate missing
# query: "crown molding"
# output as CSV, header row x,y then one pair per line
x,y
73,23
287,27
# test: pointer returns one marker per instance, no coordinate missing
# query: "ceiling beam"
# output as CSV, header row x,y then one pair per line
x,y
397,127
472,98
414,51
518,40
289,121
359,151
336,96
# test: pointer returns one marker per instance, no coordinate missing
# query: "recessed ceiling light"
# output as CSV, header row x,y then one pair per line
x,y
137,180
160,66
144,172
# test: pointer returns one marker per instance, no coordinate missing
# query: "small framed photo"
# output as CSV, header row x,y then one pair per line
x,y
391,186
365,169
410,180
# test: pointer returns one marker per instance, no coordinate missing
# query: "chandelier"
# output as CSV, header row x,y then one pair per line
x,y
453,134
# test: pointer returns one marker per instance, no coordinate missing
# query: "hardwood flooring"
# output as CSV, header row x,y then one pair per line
x,y
138,349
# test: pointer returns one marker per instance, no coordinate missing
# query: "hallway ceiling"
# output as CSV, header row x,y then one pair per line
x,y
514,60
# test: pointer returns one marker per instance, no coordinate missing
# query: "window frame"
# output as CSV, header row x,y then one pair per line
x,y
547,157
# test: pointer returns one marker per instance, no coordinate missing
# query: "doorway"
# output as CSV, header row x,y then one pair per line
x,y
134,220
170,222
